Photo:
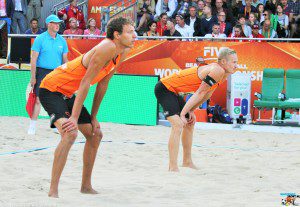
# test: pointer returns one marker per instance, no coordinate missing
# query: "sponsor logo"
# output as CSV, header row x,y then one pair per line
x,y
162,72
237,110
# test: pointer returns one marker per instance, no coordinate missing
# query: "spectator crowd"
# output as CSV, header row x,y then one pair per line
x,y
171,18
219,18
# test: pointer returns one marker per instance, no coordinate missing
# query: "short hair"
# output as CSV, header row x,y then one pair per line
x,y
72,19
225,52
215,24
192,6
254,14
268,11
220,12
208,6
34,19
259,5
150,23
116,25
70,1
163,14
239,26
172,20
280,4
180,16
267,20
241,16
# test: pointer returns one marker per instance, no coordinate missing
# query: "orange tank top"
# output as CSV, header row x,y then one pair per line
x,y
185,81
67,77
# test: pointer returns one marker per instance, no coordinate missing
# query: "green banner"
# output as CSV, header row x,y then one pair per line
x,y
129,99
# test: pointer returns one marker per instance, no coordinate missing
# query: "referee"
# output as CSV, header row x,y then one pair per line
x,y
49,51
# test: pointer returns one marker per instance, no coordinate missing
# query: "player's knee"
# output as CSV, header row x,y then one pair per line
x,y
189,126
178,126
97,134
97,137
70,137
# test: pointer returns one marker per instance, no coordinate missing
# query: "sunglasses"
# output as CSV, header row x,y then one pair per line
x,y
180,16
265,14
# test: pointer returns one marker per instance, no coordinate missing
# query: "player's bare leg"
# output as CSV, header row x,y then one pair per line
x,y
60,156
89,156
174,141
187,142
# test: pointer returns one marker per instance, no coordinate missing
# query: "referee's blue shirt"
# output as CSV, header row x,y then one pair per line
x,y
50,50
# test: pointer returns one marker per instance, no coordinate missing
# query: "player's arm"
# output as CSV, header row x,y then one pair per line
x,y
33,61
210,92
99,58
102,87
204,92
205,98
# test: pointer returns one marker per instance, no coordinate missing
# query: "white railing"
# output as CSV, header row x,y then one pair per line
x,y
183,38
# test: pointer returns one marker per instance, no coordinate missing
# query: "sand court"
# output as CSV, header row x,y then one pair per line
x,y
236,168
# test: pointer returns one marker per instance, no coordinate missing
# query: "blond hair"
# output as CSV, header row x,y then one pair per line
x,y
72,19
225,52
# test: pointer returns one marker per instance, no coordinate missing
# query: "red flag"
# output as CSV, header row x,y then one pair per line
x,y
30,103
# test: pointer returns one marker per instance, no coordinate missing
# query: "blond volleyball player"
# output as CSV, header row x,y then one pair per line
x,y
202,81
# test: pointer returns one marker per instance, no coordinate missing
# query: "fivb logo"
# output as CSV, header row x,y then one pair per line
x,y
212,51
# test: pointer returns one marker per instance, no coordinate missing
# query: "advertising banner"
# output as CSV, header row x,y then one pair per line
x,y
161,57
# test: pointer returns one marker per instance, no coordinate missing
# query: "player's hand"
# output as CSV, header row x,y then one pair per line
x,y
95,125
70,125
192,118
183,119
32,82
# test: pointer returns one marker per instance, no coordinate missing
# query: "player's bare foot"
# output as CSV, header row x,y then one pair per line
x,y
190,165
88,190
173,169
53,194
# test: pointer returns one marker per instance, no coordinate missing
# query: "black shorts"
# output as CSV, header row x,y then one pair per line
x,y
58,106
40,75
171,102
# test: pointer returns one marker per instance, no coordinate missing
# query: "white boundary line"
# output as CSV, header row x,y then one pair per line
x,y
242,127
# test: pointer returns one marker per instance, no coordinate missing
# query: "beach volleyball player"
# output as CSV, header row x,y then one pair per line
x,y
202,81
66,110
